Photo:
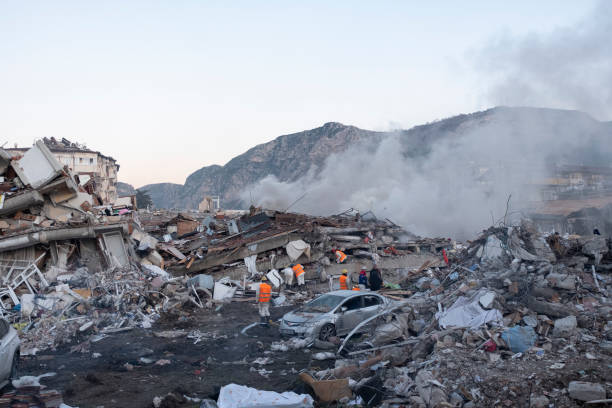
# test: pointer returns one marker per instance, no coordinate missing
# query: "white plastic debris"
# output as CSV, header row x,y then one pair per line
x,y
240,396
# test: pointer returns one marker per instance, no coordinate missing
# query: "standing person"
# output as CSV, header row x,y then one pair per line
x,y
375,279
363,278
264,293
299,274
344,280
340,256
288,275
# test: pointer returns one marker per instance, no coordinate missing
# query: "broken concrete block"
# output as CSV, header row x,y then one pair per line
x,y
565,327
539,401
155,258
586,391
428,390
561,281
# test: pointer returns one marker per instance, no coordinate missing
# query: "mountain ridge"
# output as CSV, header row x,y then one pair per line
x,y
288,157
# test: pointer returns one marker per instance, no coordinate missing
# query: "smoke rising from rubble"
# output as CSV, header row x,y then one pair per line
x,y
455,190
568,68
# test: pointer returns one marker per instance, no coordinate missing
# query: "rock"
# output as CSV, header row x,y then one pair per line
x,y
561,281
456,400
586,391
565,327
469,404
539,402
428,391
487,299
417,402
606,346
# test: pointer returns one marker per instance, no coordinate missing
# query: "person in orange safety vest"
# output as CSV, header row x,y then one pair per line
x,y
299,273
340,256
344,280
264,293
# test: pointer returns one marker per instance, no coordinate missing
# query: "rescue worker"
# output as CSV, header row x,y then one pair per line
x,y
263,298
288,275
340,256
298,269
344,280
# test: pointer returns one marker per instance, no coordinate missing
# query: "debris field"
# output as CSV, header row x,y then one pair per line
x,y
126,307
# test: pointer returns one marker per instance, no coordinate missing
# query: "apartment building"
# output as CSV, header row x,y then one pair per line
x,y
96,172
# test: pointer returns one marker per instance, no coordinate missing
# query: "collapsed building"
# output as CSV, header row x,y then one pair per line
x,y
96,172
75,271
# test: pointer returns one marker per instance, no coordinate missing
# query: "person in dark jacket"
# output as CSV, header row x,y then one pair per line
x,y
375,279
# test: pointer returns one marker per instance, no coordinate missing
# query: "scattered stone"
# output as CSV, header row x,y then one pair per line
x,y
586,391
565,327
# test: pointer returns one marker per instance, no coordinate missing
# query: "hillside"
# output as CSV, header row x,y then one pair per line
x,y
287,157
290,157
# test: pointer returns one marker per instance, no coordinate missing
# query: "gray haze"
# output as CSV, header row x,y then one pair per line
x,y
568,68
459,184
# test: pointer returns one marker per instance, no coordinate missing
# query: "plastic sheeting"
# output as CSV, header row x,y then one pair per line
x,y
467,312
520,338
251,264
240,396
295,249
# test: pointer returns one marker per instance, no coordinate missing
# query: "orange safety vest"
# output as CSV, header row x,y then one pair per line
x,y
343,285
298,270
340,256
265,292
356,288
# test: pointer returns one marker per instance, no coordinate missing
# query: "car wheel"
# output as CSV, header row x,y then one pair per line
x,y
328,330
14,366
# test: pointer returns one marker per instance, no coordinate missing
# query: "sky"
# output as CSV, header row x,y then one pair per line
x,y
167,87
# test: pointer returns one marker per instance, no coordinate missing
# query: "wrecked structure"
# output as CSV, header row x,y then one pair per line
x,y
469,324
96,172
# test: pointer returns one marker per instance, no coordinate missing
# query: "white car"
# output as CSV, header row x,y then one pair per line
x,y
333,314
9,352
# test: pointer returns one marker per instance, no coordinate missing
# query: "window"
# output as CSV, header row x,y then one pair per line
x,y
371,301
354,303
80,160
91,160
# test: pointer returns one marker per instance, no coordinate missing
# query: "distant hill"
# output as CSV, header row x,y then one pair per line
x,y
291,156
287,157
125,189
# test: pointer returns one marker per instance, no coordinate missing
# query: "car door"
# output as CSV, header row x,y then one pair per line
x,y
349,318
372,305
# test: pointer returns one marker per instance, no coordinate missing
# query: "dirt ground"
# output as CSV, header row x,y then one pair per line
x,y
197,370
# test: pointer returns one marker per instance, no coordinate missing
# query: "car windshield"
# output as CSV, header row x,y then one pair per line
x,y
323,304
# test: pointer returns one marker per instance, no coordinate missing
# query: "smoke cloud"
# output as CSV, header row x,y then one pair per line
x,y
457,188
459,183
567,68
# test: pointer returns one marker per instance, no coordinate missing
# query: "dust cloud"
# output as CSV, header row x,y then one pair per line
x,y
461,181
570,67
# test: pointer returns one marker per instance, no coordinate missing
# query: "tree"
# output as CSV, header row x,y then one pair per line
x,y
143,199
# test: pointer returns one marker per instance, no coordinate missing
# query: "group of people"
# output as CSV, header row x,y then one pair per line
x,y
374,282
264,291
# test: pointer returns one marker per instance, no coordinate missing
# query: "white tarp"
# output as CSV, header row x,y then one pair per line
x,y
251,264
240,396
295,249
467,312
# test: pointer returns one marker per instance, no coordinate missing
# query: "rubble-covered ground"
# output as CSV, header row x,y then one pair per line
x,y
133,308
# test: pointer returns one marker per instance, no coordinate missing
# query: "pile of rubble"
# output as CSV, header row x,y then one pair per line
x,y
73,270
515,318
